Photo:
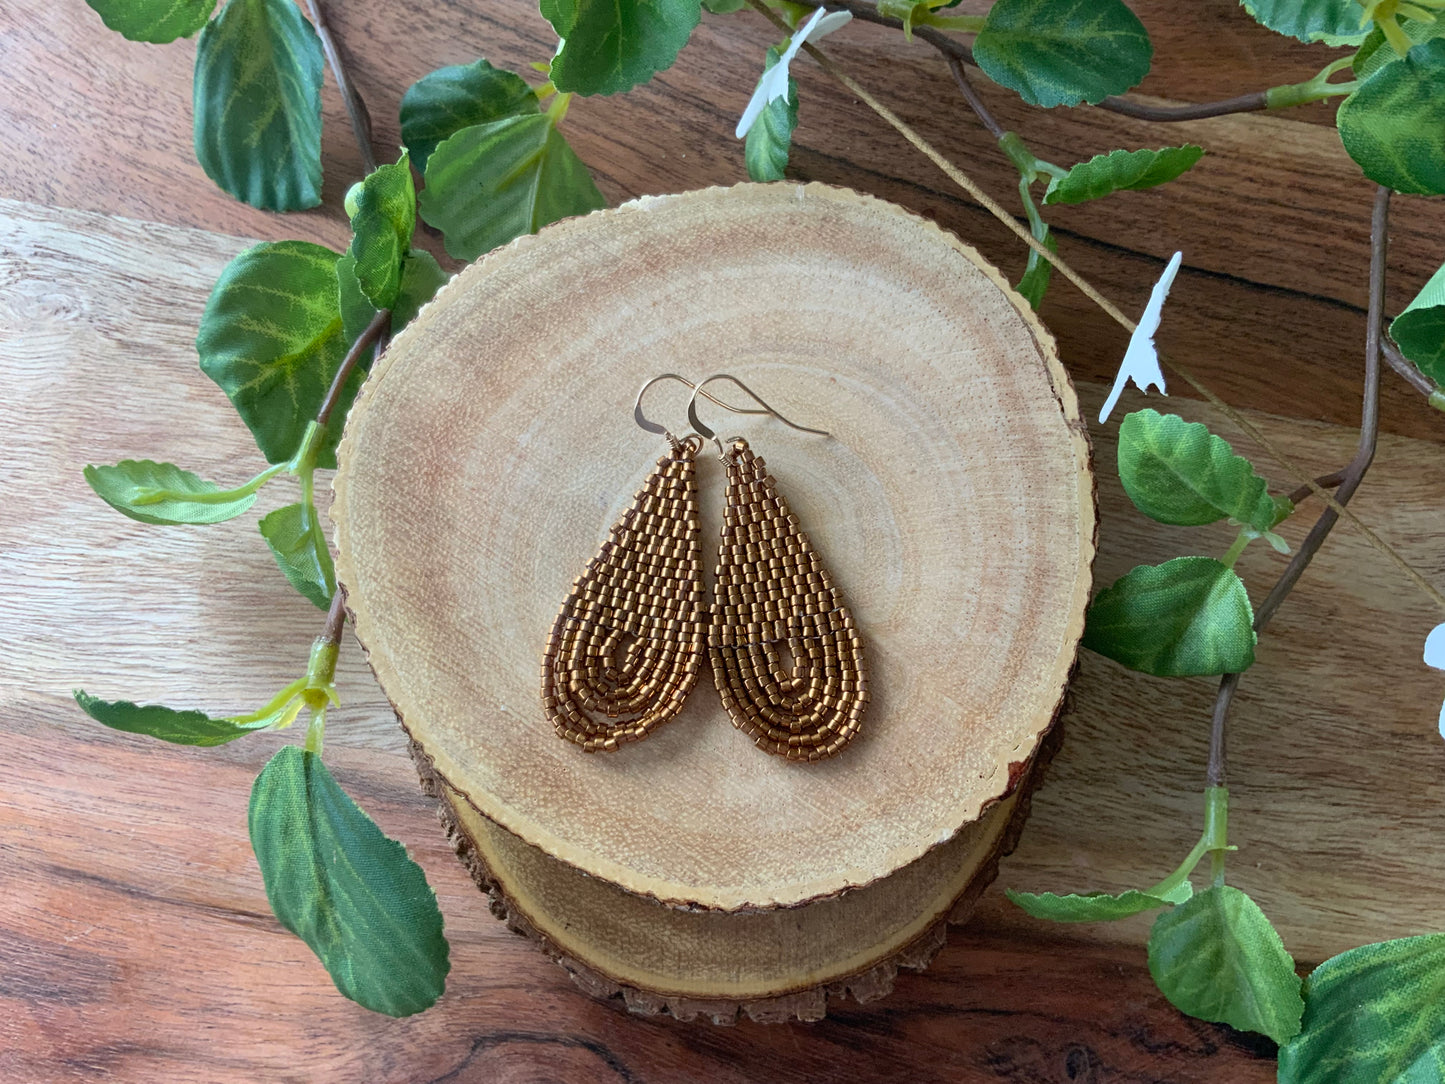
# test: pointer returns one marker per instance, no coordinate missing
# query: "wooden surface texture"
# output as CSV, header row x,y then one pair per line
x,y
135,940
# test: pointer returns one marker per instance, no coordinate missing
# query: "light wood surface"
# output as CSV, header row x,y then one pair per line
x,y
493,447
135,940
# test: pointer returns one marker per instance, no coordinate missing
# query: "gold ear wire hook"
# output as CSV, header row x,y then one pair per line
x,y
654,427
696,422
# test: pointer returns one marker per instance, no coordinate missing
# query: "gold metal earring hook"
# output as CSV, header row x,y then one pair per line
x,y
697,424
654,427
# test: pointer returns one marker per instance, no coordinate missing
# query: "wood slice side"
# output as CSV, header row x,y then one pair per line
x,y
772,966
493,447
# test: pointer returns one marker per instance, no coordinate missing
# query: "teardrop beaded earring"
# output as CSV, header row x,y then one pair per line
x,y
771,595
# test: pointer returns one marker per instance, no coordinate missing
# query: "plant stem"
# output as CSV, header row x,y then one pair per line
x,y
335,618
355,107
953,49
955,65
1413,376
1324,481
380,324
1351,476
1166,114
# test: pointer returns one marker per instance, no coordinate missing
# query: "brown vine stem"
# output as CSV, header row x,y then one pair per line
x,y
1167,114
971,96
355,107
335,617
1007,220
953,49
1412,376
374,334
1353,475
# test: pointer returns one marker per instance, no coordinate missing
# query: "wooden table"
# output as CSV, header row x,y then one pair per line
x,y
135,938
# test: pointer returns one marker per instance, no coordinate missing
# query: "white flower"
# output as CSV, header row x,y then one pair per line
x,y
1141,360
774,83
1435,657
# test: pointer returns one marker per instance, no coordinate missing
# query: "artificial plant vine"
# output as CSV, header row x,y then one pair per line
x,y
494,165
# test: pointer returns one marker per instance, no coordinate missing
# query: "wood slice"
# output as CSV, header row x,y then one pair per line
x,y
493,448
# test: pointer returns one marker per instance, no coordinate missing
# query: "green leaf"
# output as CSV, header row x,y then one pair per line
x,y
769,139
421,278
1419,330
344,888
1375,1013
271,337
493,182
1375,52
1179,472
1037,272
157,493
1393,126
258,104
1093,906
382,225
1335,22
1217,958
724,7
1063,52
1188,616
1120,171
438,106
156,21
612,45
299,546
168,724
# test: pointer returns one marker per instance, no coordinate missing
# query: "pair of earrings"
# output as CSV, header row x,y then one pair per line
x,y
628,644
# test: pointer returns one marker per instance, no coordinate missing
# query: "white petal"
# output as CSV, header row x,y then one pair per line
x,y
1141,360
1435,648
821,28
1442,720
800,35
774,83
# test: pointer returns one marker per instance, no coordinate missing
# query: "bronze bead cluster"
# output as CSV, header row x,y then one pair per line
x,y
627,644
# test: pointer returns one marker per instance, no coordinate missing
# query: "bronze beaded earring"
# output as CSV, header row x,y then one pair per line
x,y
628,642
775,604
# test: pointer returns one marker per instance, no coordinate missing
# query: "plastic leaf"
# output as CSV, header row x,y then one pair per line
x,y
609,46
1335,22
1393,126
299,545
1187,617
157,493
1374,1013
421,277
1094,906
438,106
156,21
1180,473
167,724
493,182
1141,359
1034,282
258,104
1063,52
382,225
1419,330
352,894
1120,171
1217,958
271,337
771,136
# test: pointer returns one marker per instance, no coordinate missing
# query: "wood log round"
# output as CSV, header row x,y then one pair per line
x,y
490,452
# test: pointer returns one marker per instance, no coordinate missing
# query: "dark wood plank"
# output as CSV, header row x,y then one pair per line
x,y
1273,223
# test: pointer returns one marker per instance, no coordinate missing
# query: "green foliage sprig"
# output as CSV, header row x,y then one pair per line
x,y
291,327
